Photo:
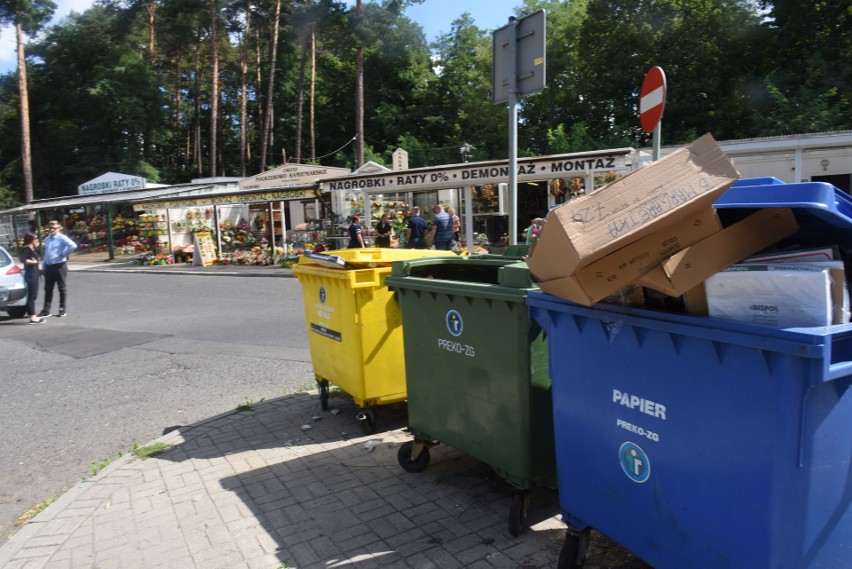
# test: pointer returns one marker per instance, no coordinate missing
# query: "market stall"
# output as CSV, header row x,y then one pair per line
x,y
479,191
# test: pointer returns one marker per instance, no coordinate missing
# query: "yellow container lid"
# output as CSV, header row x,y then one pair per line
x,y
371,256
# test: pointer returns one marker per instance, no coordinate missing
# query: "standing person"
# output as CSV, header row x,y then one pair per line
x,y
383,231
57,247
416,230
356,238
442,229
456,225
533,230
30,258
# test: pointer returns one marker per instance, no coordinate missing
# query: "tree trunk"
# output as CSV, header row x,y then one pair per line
x,y
151,8
313,92
359,93
244,91
300,96
214,87
26,153
267,116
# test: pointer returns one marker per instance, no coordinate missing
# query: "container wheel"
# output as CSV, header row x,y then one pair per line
x,y
518,511
323,393
573,554
367,420
410,463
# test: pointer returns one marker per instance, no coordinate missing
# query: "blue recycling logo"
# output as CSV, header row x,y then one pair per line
x,y
322,294
634,462
454,323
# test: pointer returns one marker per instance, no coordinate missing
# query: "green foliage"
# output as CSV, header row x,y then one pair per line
x,y
109,92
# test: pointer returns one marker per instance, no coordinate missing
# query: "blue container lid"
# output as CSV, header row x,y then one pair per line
x,y
823,211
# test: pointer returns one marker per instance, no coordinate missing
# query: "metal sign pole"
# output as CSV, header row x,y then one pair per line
x,y
657,137
513,133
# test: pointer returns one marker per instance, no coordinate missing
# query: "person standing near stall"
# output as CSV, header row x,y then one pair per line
x,y
30,259
356,238
416,230
383,231
442,229
57,247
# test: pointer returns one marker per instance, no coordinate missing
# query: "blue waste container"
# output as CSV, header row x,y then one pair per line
x,y
705,443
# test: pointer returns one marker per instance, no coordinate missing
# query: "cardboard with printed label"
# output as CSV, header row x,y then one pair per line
x,y
695,264
589,228
600,279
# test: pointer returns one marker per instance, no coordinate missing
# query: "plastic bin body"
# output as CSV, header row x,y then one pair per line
x,y
700,443
354,324
476,365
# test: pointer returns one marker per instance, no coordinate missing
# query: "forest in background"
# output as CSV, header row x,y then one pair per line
x,y
179,89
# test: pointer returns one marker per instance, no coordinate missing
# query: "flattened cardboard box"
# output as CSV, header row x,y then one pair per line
x,y
695,264
589,228
600,279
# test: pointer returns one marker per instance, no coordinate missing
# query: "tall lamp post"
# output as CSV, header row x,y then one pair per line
x,y
466,150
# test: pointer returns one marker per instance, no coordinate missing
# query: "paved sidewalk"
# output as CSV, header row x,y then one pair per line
x,y
93,262
286,484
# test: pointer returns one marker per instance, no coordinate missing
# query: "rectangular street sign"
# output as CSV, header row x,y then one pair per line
x,y
529,42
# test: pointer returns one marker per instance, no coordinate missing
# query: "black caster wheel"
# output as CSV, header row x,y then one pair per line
x,y
367,420
410,463
323,393
518,512
573,554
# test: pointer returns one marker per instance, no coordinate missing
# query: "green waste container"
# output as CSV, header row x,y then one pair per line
x,y
476,370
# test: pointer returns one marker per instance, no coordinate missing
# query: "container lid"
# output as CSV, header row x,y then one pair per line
x,y
823,211
368,257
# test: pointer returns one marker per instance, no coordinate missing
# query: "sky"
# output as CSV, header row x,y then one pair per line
x,y
435,16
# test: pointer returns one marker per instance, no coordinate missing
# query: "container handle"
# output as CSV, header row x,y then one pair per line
x,y
838,371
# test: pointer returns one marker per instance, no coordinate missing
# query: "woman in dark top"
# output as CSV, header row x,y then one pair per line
x,y
30,258
383,231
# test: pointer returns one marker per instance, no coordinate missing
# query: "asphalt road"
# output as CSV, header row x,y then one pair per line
x,y
137,355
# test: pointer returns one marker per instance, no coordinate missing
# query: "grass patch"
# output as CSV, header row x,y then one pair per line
x,y
248,404
148,451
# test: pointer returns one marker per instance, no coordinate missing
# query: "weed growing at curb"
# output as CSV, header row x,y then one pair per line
x,y
247,405
147,451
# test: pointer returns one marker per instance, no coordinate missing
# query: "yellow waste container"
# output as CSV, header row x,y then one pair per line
x,y
354,325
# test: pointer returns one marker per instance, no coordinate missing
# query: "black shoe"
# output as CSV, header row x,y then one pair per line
x,y
39,321
43,314
61,313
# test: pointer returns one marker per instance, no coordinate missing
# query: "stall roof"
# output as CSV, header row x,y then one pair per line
x,y
217,196
111,197
490,172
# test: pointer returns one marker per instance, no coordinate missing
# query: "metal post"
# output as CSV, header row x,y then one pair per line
x,y
513,133
657,136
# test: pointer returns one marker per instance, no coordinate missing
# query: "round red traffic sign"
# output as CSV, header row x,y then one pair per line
x,y
652,99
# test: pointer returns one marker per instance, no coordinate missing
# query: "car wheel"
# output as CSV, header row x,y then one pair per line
x,y
17,311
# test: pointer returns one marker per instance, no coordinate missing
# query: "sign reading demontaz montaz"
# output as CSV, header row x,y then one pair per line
x,y
289,176
529,169
111,182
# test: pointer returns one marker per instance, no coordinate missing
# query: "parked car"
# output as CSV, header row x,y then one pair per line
x,y
13,289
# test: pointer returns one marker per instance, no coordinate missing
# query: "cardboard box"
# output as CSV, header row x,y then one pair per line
x,y
692,266
785,296
602,278
661,194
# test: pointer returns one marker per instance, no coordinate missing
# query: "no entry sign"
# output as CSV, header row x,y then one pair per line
x,y
652,99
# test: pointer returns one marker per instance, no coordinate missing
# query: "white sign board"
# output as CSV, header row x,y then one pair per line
x,y
112,182
290,176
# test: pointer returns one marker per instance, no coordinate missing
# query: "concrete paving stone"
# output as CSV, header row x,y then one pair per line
x,y
304,554
435,558
361,542
268,561
390,525
196,540
218,559
472,554
462,543
295,534
369,511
